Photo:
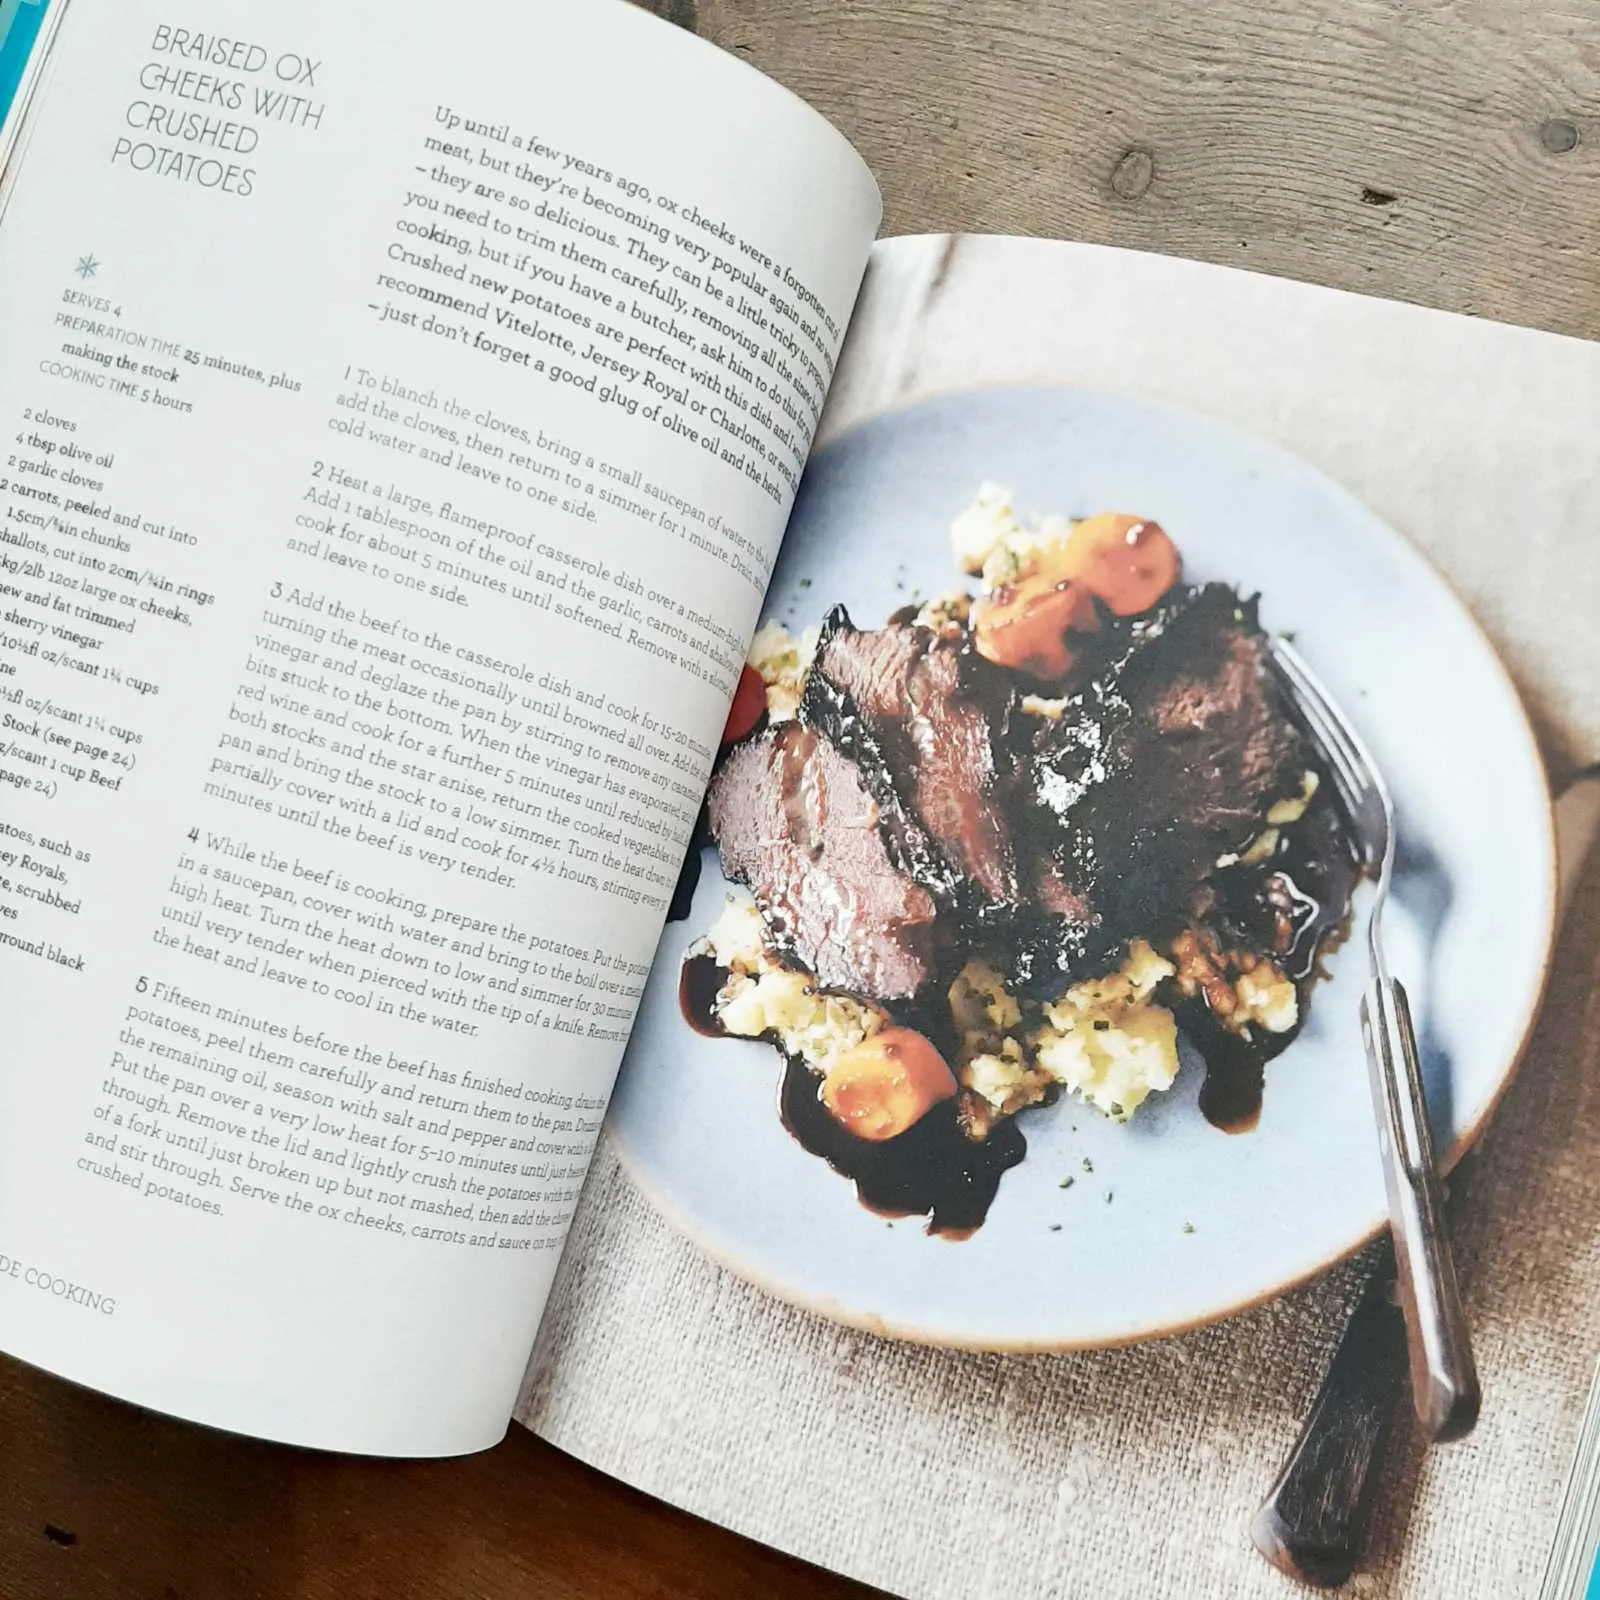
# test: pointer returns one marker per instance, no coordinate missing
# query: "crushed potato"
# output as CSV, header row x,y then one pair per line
x,y
948,613
1107,1040
1038,705
1279,815
1268,997
1260,849
782,662
982,1008
1241,988
737,940
990,539
1005,1079
988,525
762,998
993,1065
1292,809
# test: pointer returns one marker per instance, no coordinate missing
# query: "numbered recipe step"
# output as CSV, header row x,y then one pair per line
x,y
420,745
208,1107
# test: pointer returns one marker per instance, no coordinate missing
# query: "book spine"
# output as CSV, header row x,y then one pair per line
x,y
27,30
1573,1572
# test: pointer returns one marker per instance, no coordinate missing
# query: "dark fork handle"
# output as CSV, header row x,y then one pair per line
x,y
1313,1525
1444,1377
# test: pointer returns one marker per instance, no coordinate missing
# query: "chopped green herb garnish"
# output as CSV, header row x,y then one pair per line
x,y
1066,1183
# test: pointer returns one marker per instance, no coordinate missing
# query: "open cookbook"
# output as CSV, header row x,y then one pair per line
x,y
593,763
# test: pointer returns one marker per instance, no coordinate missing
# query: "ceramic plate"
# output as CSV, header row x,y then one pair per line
x,y
1168,1222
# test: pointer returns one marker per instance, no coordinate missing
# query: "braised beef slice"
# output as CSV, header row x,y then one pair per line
x,y
1168,759
796,823
935,712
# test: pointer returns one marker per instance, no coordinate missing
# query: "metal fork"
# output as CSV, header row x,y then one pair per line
x,y
1444,1378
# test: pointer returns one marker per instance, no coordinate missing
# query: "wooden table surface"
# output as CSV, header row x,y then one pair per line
x,y
1442,151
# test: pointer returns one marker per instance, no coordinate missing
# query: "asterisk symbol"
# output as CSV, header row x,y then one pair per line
x,y
87,266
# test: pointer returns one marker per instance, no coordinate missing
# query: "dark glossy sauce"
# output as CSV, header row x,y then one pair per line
x,y
698,986
1295,907
1230,1097
689,873
932,1169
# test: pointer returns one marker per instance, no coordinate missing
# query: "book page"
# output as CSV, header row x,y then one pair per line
x,y
989,1177
401,407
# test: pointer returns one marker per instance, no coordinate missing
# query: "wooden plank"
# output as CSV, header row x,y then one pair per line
x,y
106,1502
1441,151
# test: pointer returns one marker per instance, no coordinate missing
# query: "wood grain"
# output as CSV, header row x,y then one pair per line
x,y
1440,151
105,1502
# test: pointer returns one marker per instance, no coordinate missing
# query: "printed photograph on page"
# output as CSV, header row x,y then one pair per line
x,y
1006,1032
